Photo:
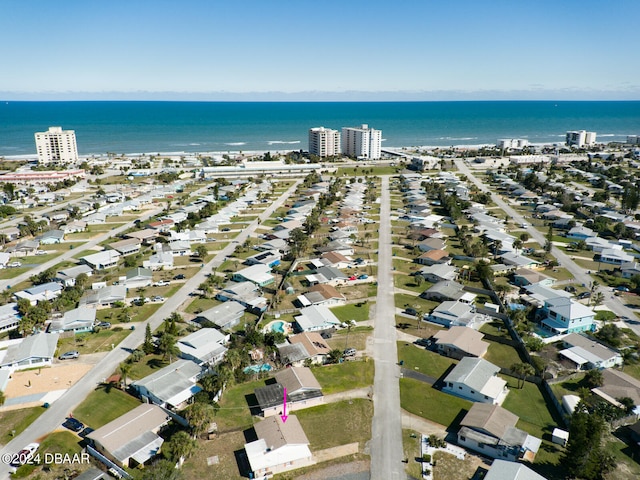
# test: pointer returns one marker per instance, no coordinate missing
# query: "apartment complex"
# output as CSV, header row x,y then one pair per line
x,y
581,138
324,142
362,142
56,146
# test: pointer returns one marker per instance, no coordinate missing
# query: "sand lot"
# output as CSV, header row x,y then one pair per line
x,y
56,377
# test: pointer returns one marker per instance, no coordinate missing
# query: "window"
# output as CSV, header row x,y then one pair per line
x,y
463,439
459,388
472,392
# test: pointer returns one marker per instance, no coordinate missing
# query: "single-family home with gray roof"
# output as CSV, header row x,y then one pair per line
x,y
40,293
477,380
138,277
104,297
171,386
51,237
67,277
315,318
204,346
448,290
224,316
302,391
78,320
34,351
9,317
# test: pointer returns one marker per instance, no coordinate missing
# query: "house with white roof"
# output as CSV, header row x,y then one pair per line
x,y
448,290
519,261
257,274
9,317
281,446
78,320
159,261
630,269
67,277
247,294
438,272
138,277
34,351
128,246
40,293
102,260
504,470
477,380
581,233
224,316
171,386
588,354
204,346
564,315
316,318
452,313
104,297
4,259
615,257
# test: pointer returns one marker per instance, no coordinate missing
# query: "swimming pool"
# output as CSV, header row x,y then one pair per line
x,y
265,367
277,327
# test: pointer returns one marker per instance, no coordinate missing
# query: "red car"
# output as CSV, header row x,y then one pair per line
x,y
352,277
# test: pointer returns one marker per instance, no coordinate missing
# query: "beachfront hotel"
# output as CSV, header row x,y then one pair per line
x,y
581,138
362,142
324,142
56,146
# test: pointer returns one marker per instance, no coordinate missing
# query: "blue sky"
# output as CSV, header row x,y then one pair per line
x,y
299,49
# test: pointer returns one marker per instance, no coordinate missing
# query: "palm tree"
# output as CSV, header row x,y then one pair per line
x,y
181,446
517,245
350,325
522,370
125,369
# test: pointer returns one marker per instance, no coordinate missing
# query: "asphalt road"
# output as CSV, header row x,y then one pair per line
x,y
59,410
579,273
386,440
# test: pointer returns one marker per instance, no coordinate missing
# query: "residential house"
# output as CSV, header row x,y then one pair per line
x,y
189,236
451,314
332,275
588,354
224,317
519,261
204,346
131,439
32,352
138,278
321,295
68,276
438,273
5,258
146,236
9,317
78,320
76,226
336,260
271,258
580,232
564,315
257,274
159,261
171,386
630,269
247,294
301,387
51,237
316,347
337,246
280,447
616,385
293,354
40,293
460,342
598,244
433,257
448,290
104,297
431,244
128,246
11,233
316,318
504,470
177,248
24,248
491,430
615,257
102,260
537,294
275,244
163,226
477,380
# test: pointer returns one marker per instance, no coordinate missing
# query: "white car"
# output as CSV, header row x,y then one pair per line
x,y
161,283
24,455
14,264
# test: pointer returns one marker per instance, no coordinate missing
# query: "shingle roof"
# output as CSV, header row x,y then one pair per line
x,y
464,339
473,372
491,418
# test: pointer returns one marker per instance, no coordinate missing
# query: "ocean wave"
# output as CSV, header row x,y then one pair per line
x,y
457,138
235,144
195,144
282,142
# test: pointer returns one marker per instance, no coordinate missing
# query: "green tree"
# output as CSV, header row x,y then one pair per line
x,y
167,347
199,416
148,346
334,356
162,470
125,370
201,251
522,370
594,378
584,457
180,447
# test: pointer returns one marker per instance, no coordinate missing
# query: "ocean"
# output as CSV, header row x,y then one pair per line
x,y
153,127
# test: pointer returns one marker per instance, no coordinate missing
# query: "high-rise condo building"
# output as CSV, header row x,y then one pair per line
x,y
56,146
324,142
362,142
581,138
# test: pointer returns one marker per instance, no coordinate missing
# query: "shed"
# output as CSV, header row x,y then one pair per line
x,y
561,437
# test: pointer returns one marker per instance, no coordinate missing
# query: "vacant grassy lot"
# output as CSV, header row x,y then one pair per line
x,y
103,405
357,338
224,447
408,282
336,424
423,361
403,300
201,304
502,355
421,399
411,449
234,413
412,326
449,467
344,376
15,421
355,311
93,342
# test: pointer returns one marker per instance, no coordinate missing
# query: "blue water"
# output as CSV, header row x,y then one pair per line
x,y
265,367
151,127
278,327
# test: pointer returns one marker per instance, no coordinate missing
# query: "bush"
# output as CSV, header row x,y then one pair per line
x,y
116,329
426,458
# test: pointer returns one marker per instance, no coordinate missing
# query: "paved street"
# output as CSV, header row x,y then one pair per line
x,y
59,410
386,442
563,259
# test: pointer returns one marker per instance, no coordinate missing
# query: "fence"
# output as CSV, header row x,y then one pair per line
x,y
112,466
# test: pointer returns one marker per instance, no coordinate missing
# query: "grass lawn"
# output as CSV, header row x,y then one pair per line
x,y
411,448
146,366
56,442
344,376
103,405
558,273
357,338
405,266
337,424
421,399
7,273
93,342
449,467
402,300
496,328
407,282
16,421
234,413
502,355
422,360
201,304
223,446
412,326
355,311
529,404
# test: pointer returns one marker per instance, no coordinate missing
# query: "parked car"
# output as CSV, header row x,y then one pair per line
x,y
350,352
584,295
73,424
570,289
622,288
179,277
411,311
225,229
423,342
352,277
85,432
24,455
161,283
157,298
69,355
14,264
363,277
104,325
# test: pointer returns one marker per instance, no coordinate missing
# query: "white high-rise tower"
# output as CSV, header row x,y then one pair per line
x,y
362,142
56,146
